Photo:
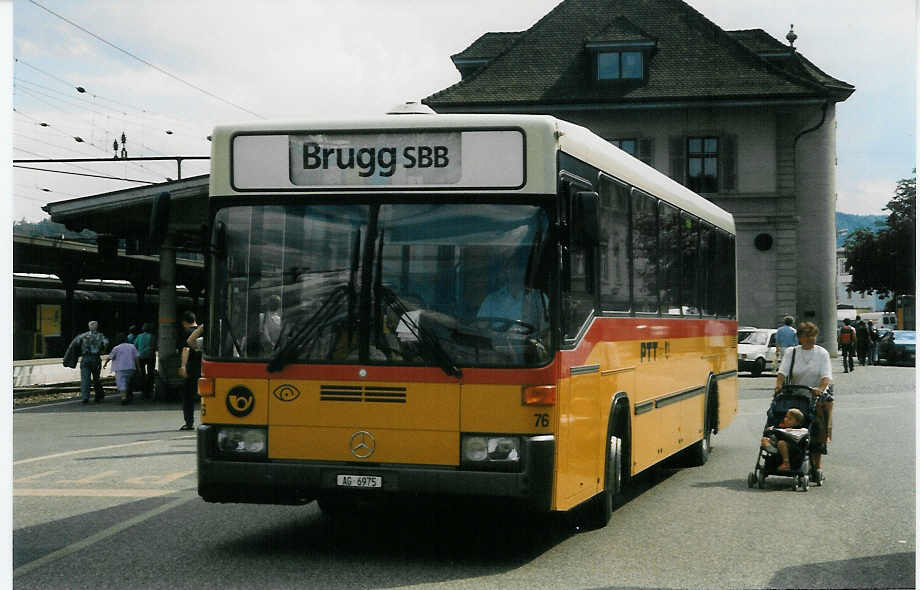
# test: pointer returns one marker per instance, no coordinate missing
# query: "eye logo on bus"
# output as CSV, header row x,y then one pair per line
x,y
240,401
286,393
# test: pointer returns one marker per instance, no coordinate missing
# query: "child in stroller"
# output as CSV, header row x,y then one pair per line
x,y
784,448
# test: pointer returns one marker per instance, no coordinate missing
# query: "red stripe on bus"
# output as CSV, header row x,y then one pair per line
x,y
603,329
609,329
244,370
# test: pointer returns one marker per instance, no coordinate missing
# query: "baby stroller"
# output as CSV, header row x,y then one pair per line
x,y
790,396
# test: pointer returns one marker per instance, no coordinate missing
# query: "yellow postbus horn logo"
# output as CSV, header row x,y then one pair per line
x,y
240,401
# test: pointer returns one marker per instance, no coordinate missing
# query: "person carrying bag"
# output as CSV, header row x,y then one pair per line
x,y
814,373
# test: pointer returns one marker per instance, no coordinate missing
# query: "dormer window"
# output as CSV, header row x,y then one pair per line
x,y
619,54
620,65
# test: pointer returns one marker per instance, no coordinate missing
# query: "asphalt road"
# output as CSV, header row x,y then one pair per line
x,y
104,497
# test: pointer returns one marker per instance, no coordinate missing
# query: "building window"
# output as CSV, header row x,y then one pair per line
x,y
627,145
637,147
703,164
620,65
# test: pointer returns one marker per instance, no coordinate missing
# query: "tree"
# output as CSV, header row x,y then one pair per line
x,y
49,229
883,261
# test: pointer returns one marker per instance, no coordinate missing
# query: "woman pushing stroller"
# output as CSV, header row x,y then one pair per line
x,y
810,366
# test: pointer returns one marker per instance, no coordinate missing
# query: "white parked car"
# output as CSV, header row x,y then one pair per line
x,y
757,350
745,331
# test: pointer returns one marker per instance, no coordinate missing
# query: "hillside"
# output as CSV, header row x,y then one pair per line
x,y
851,223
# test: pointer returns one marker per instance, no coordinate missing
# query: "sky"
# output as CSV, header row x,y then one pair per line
x,y
164,73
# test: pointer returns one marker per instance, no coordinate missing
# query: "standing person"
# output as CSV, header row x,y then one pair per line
x,y
125,362
846,341
190,370
873,343
785,338
862,340
811,368
146,351
270,324
132,334
90,346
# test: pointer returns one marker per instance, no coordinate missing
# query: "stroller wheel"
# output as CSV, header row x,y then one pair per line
x,y
751,480
760,478
804,483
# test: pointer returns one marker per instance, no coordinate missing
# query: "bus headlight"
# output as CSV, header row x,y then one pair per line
x,y
487,450
242,441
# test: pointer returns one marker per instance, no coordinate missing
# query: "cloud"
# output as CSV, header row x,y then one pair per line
x,y
865,197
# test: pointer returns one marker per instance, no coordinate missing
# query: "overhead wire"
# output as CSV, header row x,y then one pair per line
x,y
59,100
48,143
147,63
81,174
71,164
16,195
44,200
109,131
101,149
151,115
65,98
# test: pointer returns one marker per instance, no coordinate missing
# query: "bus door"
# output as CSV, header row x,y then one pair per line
x,y
579,424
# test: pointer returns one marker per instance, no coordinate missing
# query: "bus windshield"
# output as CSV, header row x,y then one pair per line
x,y
445,284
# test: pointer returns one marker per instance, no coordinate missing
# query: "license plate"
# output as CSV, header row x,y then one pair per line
x,y
359,481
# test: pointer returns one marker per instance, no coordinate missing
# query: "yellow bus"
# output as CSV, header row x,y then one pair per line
x,y
504,307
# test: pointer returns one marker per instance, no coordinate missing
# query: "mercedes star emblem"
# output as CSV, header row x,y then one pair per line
x,y
363,444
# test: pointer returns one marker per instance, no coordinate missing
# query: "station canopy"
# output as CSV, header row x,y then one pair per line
x,y
125,214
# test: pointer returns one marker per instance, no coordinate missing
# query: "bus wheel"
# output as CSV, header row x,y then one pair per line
x,y
699,452
600,507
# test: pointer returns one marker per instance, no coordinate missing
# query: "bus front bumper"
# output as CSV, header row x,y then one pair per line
x,y
298,482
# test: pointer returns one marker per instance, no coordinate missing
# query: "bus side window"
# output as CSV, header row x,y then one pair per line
x,y
669,259
614,247
689,251
708,286
644,252
724,274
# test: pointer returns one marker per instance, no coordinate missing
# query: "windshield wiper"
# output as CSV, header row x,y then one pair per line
x,y
225,321
290,343
431,344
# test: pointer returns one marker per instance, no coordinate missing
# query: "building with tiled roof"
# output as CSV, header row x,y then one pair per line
x,y
738,116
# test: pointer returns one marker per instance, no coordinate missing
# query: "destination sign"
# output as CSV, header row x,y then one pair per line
x,y
381,158
436,159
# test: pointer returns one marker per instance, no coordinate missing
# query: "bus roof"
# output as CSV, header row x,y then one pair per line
x,y
254,157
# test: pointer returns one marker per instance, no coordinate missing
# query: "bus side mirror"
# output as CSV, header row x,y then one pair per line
x,y
159,220
219,240
586,225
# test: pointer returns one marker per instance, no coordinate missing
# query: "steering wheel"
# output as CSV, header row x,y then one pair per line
x,y
497,324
